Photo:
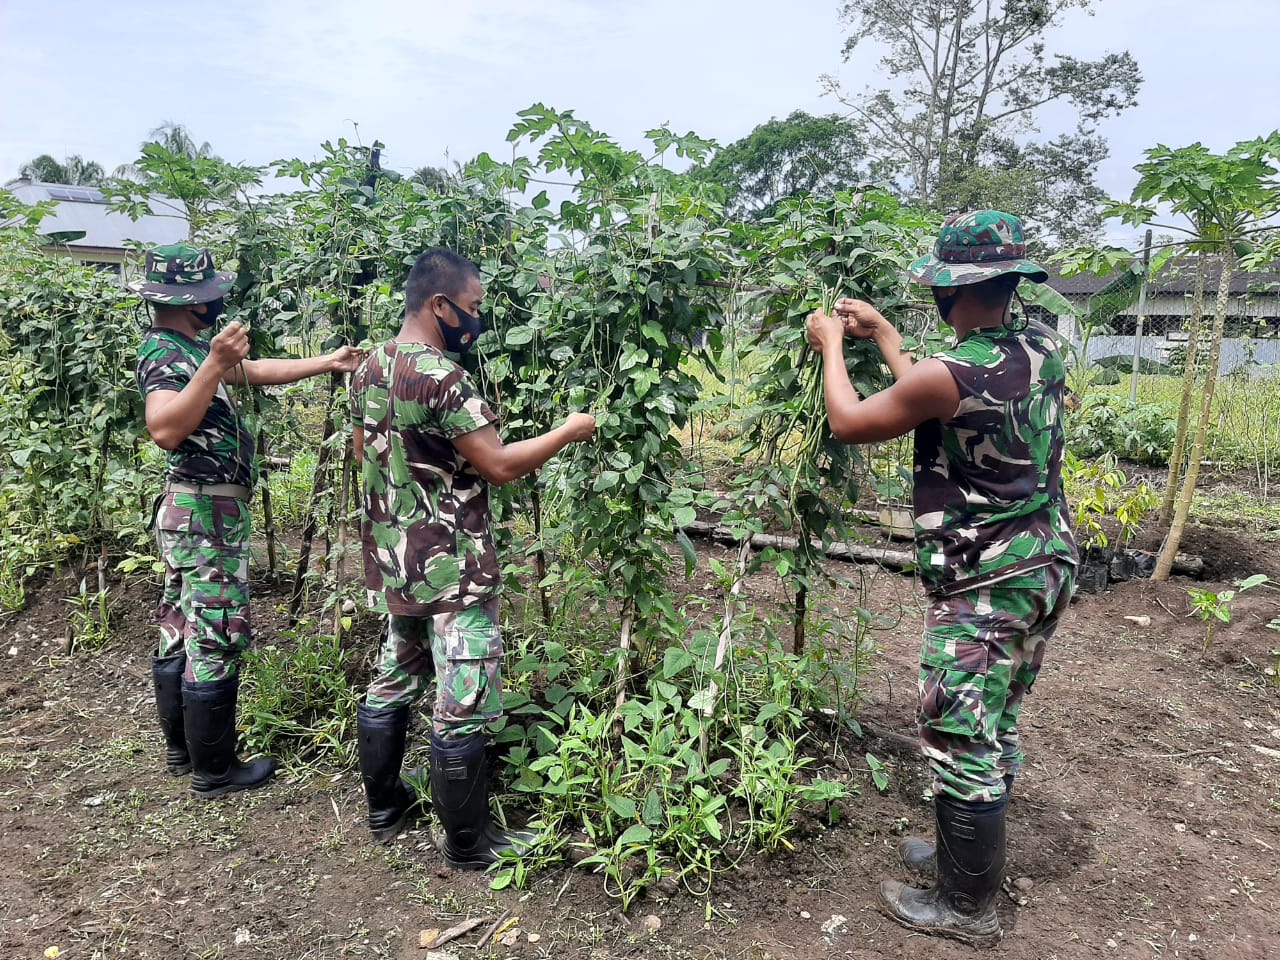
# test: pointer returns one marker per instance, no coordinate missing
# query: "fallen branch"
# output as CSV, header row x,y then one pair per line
x,y
496,925
898,741
851,552
904,561
454,932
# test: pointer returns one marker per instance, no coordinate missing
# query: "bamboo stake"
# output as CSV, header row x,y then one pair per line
x,y
540,555
802,610
310,527
268,511
726,633
340,566
624,663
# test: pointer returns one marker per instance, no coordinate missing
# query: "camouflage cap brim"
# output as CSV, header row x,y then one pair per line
x,y
933,272
183,294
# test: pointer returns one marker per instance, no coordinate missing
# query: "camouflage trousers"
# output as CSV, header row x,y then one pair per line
x,y
982,651
204,601
466,649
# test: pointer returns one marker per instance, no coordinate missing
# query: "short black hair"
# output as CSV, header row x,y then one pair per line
x,y
997,291
436,271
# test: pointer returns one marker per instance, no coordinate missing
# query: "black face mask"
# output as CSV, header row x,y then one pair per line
x,y
212,311
463,337
944,304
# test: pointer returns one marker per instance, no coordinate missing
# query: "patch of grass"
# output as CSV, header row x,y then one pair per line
x,y
1244,426
1261,518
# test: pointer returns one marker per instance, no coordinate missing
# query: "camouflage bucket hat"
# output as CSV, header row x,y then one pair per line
x,y
976,246
181,274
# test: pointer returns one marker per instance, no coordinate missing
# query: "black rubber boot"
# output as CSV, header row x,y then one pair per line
x,y
962,905
919,855
167,674
392,800
460,796
210,713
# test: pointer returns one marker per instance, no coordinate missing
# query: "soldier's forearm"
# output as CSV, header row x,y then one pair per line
x,y
263,373
897,359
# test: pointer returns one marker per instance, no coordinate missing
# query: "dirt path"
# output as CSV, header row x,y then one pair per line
x,y
1147,822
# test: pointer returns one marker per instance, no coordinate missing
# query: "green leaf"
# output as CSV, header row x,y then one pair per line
x,y
702,701
624,807
518,336
635,835
878,775
675,660
690,554
652,813
502,879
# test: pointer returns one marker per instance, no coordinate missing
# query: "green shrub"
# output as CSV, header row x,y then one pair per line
x,y
1132,431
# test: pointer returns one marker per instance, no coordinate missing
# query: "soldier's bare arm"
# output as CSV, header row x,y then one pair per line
x,y
865,322
173,415
272,371
926,391
501,463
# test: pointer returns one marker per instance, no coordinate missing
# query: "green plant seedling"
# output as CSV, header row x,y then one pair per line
x,y
1215,607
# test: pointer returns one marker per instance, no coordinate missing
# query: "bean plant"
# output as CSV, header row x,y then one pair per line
x,y
654,734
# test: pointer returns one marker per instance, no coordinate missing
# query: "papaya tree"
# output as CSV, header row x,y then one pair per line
x,y
1220,202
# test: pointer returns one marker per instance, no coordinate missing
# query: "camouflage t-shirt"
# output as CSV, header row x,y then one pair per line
x,y
221,448
425,527
988,483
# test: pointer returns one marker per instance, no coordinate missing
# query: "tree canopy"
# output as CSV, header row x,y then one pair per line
x,y
968,80
785,158
74,170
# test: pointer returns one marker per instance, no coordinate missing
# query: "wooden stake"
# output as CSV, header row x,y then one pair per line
x,y
268,512
726,633
340,567
313,520
624,663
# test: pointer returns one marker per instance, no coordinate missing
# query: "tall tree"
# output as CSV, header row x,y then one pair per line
x,y
176,138
781,158
74,170
437,179
172,139
968,81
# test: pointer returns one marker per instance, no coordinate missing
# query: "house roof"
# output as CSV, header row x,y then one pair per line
x,y
84,209
1177,277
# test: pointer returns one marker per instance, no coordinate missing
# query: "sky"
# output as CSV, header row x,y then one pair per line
x,y
440,81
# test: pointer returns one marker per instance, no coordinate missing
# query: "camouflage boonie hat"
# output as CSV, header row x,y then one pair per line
x,y
181,274
976,246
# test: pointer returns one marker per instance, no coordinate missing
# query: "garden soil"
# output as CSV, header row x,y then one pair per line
x,y
1146,823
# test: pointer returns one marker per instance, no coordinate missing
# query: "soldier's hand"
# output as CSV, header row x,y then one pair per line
x,y
824,331
861,319
345,359
580,426
230,347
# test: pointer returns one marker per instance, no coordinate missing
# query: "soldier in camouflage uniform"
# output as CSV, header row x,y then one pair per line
x,y
428,451
202,518
993,543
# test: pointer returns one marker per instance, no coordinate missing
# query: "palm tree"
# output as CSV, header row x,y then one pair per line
x,y
173,137
74,170
434,178
176,138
